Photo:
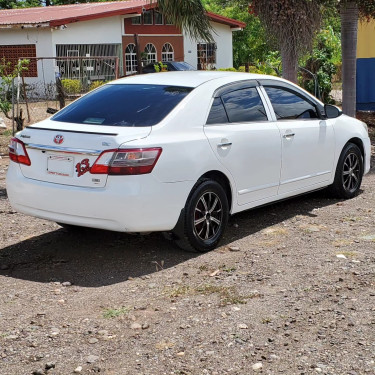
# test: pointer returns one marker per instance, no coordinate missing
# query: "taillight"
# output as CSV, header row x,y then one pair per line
x,y
126,161
18,153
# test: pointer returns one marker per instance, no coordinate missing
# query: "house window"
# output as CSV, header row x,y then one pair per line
x,y
151,53
11,53
167,53
136,20
147,17
158,18
131,64
206,54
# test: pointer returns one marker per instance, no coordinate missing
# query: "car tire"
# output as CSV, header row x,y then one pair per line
x,y
204,217
349,173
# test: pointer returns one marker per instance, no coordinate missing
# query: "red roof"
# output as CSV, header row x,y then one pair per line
x,y
64,14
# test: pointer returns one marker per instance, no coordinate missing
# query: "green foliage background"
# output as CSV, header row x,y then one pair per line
x,y
253,46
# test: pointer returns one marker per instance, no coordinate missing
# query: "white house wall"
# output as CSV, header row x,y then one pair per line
x,y
104,30
42,38
224,54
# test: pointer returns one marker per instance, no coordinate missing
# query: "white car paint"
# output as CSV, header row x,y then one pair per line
x,y
260,164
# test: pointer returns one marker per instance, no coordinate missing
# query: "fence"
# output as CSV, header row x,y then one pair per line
x,y
57,81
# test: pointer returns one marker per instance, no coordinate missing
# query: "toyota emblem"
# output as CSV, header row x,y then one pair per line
x,y
58,139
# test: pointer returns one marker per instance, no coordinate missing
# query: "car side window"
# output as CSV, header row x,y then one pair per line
x,y
289,105
244,105
217,113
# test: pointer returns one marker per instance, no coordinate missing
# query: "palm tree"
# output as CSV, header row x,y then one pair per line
x,y
292,24
188,15
351,11
349,29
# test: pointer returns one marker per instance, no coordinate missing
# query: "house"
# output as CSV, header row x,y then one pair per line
x,y
64,39
366,66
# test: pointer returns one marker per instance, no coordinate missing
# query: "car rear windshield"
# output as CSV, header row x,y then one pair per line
x,y
124,105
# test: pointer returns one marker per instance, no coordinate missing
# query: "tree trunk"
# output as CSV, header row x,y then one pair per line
x,y
60,93
349,30
289,63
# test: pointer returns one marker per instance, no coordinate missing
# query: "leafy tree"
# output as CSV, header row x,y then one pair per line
x,y
8,72
10,4
249,45
292,24
323,63
289,24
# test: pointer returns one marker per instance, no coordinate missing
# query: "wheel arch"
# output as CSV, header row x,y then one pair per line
x,y
359,143
224,181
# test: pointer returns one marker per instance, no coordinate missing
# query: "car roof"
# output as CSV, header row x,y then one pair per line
x,y
187,78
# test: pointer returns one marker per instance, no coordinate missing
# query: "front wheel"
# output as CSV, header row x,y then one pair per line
x,y
349,173
205,217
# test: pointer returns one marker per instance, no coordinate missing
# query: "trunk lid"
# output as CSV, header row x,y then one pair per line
x,y
63,153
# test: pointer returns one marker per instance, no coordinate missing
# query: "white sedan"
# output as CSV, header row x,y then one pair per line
x,y
179,152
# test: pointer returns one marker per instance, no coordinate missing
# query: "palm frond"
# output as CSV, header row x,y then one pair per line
x,y
188,15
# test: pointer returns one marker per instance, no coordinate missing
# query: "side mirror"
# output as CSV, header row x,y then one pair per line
x,y
332,111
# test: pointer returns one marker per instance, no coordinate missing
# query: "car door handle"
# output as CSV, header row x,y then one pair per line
x,y
224,144
289,135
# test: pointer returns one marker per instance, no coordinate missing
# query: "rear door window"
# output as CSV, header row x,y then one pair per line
x,y
244,105
124,105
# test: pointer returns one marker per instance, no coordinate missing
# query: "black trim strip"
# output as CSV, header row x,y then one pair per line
x,y
69,131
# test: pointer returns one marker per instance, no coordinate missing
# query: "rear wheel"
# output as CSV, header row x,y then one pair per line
x,y
205,217
349,173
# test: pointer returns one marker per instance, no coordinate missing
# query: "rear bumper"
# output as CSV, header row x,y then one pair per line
x,y
125,204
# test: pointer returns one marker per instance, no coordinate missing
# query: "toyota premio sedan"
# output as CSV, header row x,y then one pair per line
x,y
179,152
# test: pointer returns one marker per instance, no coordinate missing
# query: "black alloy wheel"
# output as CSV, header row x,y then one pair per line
x,y
349,173
205,217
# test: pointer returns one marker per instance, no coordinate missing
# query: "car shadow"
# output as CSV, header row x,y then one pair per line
x,y
93,258
3,193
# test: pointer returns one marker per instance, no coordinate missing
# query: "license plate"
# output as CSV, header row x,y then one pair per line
x,y
58,165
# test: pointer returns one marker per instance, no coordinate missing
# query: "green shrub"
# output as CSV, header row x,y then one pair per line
x,y
95,84
228,70
72,86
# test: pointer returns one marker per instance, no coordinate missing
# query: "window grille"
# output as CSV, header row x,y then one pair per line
x,y
12,53
167,53
88,69
206,55
131,64
151,53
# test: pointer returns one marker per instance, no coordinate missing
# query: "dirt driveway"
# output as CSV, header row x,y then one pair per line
x,y
290,291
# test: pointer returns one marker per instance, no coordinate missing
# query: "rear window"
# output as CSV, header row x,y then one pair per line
x,y
124,105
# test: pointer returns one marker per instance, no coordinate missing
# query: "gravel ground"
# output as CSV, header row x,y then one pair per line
x,y
290,291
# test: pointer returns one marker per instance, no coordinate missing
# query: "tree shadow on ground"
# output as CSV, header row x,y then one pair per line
x,y
93,258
